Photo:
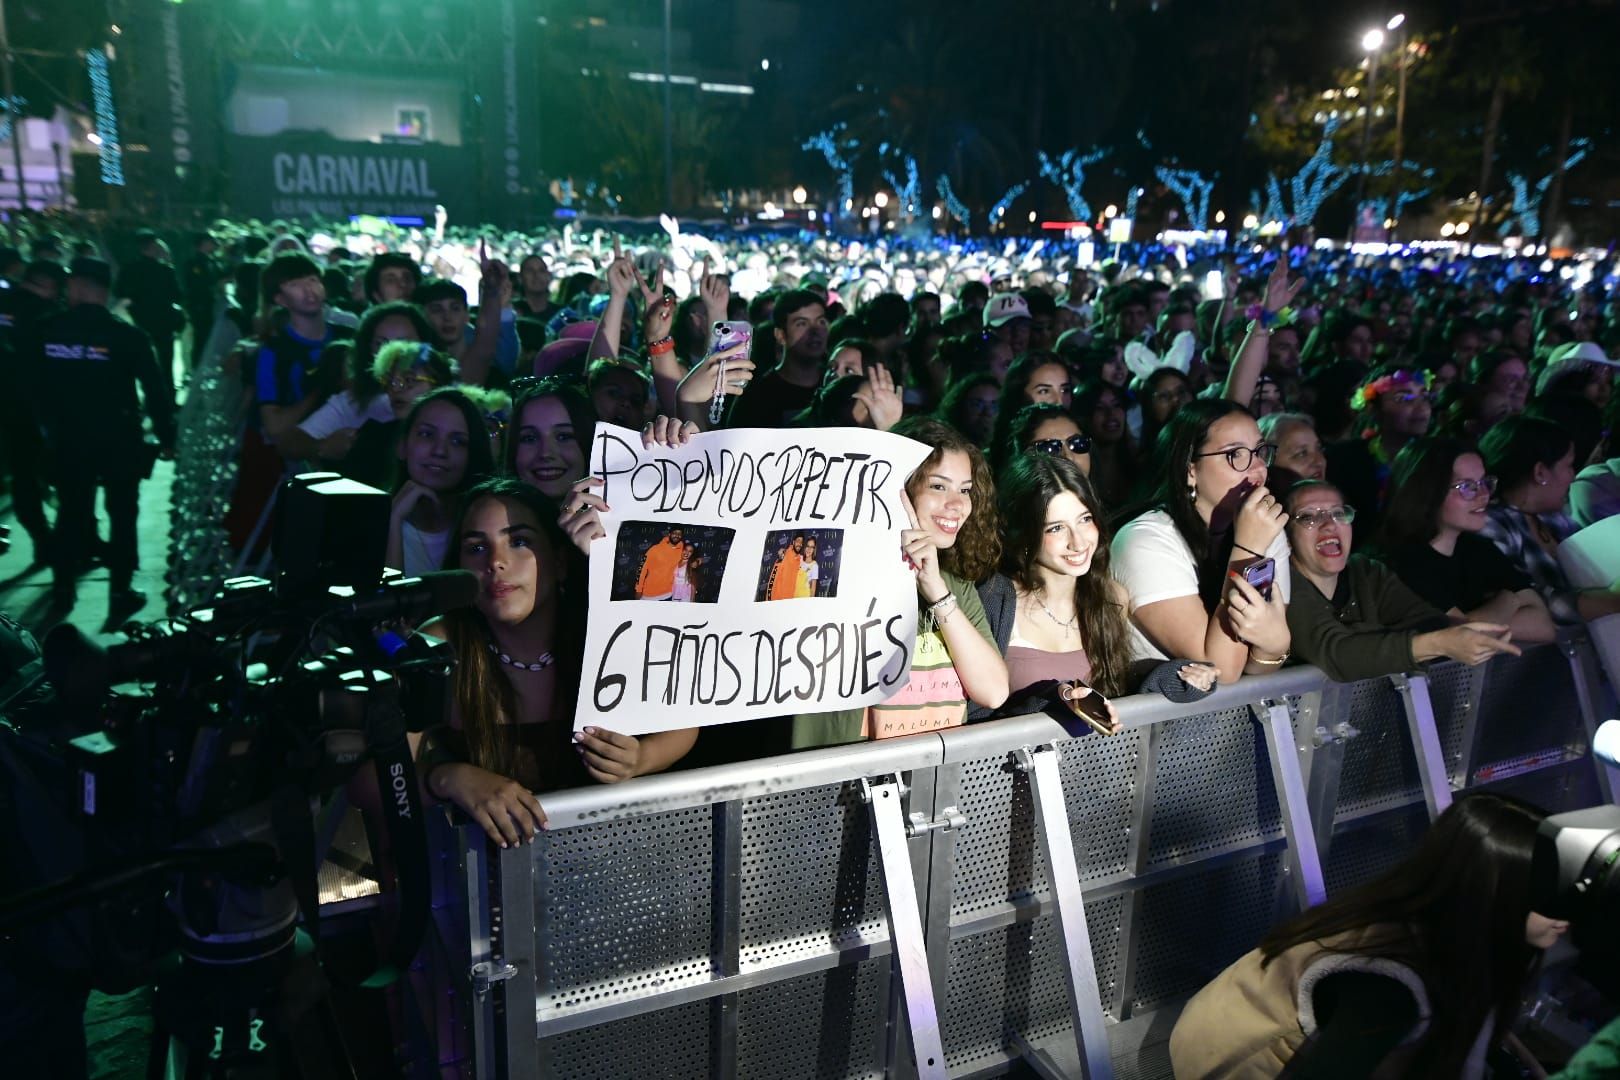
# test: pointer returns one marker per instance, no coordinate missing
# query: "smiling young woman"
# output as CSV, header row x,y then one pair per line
x,y
951,544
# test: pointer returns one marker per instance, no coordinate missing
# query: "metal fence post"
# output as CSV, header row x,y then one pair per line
x,y
726,900
520,949
1431,760
1074,937
882,797
1305,862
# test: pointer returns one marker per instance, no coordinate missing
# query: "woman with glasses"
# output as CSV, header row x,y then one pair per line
x,y
1432,539
1209,529
1352,617
353,430
1534,460
1044,429
1163,392
1057,614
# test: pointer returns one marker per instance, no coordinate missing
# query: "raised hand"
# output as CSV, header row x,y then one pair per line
x,y
581,516
1280,292
884,406
700,383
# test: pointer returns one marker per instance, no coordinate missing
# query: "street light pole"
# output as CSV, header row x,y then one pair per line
x,y
10,90
669,116
1373,41
1400,117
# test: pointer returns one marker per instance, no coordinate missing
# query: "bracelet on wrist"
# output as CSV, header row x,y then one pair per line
x,y
661,347
1276,662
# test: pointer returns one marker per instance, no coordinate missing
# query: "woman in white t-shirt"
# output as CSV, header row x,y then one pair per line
x,y
1183,560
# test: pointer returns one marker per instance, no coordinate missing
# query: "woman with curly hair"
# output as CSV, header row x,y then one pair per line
x,y
952,543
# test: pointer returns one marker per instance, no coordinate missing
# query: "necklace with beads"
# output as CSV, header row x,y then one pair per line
x,y
541,664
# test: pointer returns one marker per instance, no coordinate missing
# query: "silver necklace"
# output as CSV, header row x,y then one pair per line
x,y
1071,624
541,664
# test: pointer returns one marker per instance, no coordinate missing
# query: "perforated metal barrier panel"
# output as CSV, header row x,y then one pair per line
x,y
739,921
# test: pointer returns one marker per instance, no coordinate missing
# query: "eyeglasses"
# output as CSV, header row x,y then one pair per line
x,y
1077,444
401,381
1473,489
1315,519
1242,458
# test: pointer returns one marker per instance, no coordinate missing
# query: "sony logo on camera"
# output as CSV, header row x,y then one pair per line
x,y
402,797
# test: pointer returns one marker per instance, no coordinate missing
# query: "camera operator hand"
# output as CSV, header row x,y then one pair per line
x,y
507,810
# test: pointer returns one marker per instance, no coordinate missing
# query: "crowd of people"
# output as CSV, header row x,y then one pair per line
x,y
1149,475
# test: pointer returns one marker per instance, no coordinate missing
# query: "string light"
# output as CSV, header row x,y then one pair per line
x,y
1318,178
953,205
1527,198
1192,189
1006,200
837,151
111,151
1069,173
909,192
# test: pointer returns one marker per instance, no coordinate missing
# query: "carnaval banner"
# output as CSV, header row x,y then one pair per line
x,y
748,574
311,176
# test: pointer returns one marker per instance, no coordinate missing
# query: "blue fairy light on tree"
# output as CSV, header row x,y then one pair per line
x,y
954,206
1193,191
1069,173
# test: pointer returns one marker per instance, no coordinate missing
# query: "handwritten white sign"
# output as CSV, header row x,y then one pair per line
x,y
749,573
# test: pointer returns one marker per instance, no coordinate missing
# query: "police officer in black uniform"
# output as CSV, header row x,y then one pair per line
x,y
89,365
36,296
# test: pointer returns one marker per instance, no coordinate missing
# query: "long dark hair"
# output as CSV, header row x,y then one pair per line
x,y
480,462
1419,481
481,692
1513,448
1014,389
1455,908
1173,453
978,544
1027,487
575,401
1022,430
950,407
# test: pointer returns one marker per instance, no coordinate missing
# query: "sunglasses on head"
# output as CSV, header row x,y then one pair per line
x,y
1076,444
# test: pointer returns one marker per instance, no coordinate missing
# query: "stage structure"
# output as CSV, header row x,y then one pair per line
x,y
332,108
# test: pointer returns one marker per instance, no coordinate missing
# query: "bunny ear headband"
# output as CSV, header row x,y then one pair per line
x,y
1143,361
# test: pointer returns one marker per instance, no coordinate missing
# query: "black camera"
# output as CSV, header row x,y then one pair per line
x,y
165,834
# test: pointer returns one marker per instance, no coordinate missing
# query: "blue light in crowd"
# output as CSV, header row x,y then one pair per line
x,y
111,152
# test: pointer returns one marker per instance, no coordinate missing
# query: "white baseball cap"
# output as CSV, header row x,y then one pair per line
x,y
1004,307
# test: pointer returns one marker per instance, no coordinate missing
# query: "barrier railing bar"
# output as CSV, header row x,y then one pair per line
x,y
521,991
471,846
1040,904
1074,937
905,925
1303,859
1136,854
726,916
1431,761
1322,751
560,1020
1468,745
941,874
670,791
1582,668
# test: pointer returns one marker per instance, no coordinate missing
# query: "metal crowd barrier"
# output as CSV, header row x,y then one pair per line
x,y
950,904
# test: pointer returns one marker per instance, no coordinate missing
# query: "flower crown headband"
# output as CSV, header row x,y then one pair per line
x,y
1371,392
